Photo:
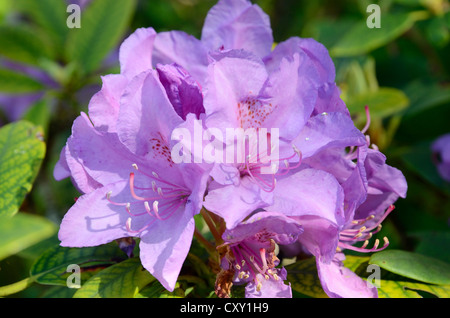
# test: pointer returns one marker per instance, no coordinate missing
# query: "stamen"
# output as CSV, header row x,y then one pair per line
x,y
128,226
366,127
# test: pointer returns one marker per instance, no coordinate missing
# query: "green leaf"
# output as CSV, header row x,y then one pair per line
x,y
361,40
122,280
20,43
21,155
156,290
384,102
103,23
426,96
400,289
419,159
22,231
353,263
51,267
39,114
304,278
17,83
433,244
413,265
51,16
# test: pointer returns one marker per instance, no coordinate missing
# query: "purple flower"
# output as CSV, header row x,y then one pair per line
x,y
119,157
241,95
248,256
441,155
340,203
230,24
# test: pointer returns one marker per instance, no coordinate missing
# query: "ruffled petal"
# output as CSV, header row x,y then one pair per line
x,y
340,282
135,53
235,203
183,49
237,24
310,192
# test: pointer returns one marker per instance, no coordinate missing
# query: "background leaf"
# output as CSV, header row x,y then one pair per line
x,y
360,39
50,16
125,279
17,83
21,154
103,23
20,43
22,231
413,265
304,278
50,268
382,103
400,289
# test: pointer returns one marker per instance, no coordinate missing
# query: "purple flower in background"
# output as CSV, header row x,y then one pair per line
x,y
248,256
15,105
441,155
119,158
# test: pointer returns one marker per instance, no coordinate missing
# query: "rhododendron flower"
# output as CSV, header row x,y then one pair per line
x,y
122,162
335,216
248,256
441,155
230,24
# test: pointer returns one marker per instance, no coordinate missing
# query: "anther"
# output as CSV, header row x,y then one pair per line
x,y
258,287
147,207
135,166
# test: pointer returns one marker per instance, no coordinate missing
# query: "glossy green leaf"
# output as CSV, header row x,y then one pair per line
x,y
382,103
354,263
51,267
18,83
22,231
21,153
304,278
103,23
361,39
156,290
413,265
122,280
400,289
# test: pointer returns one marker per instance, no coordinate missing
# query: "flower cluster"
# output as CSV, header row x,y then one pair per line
x,y
318,188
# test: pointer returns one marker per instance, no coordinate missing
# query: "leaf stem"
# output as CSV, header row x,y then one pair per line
x,y
212,226
16,287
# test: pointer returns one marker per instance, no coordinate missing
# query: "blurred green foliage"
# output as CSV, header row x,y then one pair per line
x,y
401,71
